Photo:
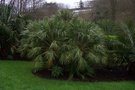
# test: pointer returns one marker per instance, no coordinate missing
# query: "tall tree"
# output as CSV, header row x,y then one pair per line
x,y
81,4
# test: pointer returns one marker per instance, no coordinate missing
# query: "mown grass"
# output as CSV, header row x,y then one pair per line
x,y
16,75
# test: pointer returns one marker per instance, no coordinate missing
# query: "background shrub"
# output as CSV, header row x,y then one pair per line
x,y
10,28
119,42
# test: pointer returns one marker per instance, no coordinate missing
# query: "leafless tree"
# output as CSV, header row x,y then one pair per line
x,y
45,10
113,9
2,1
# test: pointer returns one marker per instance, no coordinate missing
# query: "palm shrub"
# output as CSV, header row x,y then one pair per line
x,y
129,46
10,28
4,31
64,43
119,42
4,36
112,41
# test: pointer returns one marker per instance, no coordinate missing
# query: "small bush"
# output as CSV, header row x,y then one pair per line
x,y
56,71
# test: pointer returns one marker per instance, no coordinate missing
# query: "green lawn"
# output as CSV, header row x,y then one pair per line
x,y
16,75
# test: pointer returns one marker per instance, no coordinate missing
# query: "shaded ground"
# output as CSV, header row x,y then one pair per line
x,y
104,75
16,75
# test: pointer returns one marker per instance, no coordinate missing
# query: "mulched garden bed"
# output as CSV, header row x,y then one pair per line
x,y
104,75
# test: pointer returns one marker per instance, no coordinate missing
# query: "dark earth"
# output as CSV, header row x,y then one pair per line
x,y
104,75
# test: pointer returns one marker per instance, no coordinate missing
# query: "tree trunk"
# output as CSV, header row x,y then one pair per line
x,y
113,4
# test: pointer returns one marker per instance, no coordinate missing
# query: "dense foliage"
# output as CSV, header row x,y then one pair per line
x,y
119,43
65,43
10,29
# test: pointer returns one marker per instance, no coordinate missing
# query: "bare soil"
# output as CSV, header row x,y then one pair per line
x,y
104,75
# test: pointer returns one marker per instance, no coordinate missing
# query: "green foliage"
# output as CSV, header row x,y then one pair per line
x,y
10,29
119,42
4,36
66,41
56,71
